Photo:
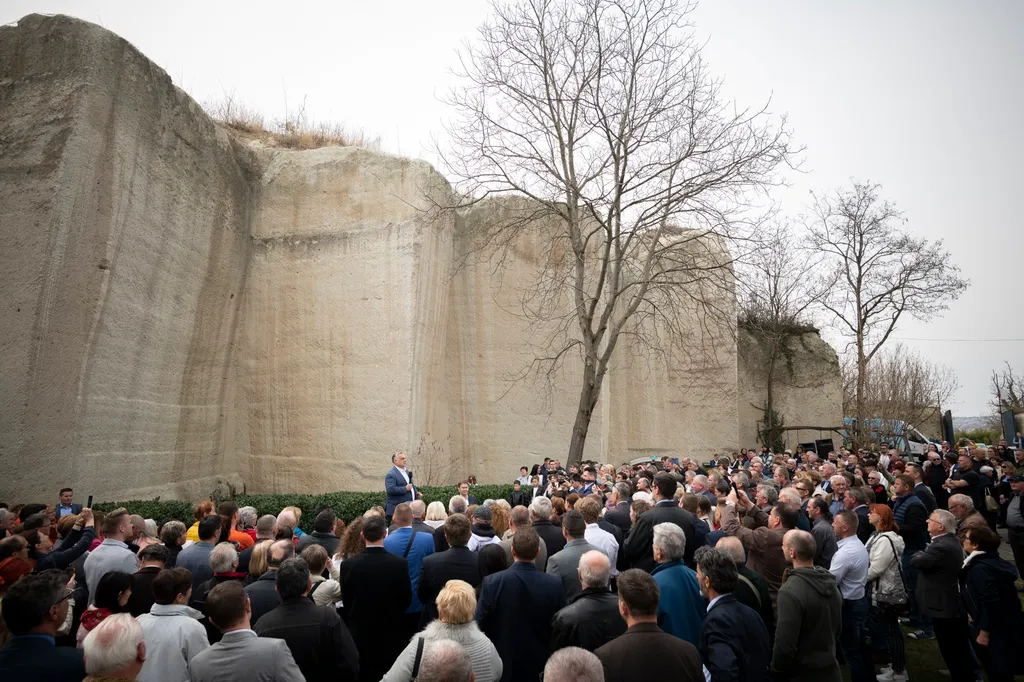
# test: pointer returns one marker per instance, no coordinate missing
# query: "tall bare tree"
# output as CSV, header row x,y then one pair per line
x,y
1007,391
603,114
900,386
876,273
777,289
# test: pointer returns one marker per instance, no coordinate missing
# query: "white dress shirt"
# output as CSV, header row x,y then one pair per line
x,y
604,541
850,567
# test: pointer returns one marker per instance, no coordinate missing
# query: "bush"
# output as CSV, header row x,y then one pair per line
x,y
347,505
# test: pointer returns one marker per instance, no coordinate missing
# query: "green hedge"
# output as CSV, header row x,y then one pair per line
x,y
347,505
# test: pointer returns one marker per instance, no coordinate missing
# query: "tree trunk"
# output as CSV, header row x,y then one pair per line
x,y
770,395
588,399
859,439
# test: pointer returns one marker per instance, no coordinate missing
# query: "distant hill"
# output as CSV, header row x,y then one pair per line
x,y
971,423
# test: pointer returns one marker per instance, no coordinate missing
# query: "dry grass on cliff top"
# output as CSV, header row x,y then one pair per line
x,y
295,131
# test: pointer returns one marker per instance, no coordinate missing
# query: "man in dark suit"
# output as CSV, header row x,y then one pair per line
x,y
455,563
921,489
734,642
856,500
65,506
375,591
516,608
398,484
638,549
464,491
152,560
519,497
456,505
938,594
619,513
320,643
540,521
31,653
644,652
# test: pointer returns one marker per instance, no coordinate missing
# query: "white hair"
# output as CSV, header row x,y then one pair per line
x,y
573,664
595,569
223,558
112,645
670,539
149,528
445,661
701,479
541,507
946,518
418,508
457,505
643,495
790,495
247,517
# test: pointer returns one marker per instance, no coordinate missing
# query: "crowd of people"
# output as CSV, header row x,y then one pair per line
x,y
751,567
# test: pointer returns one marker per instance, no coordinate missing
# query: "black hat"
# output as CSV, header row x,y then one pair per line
x,y
1017,478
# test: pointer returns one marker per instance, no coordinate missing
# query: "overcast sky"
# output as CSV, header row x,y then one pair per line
x,y
922,97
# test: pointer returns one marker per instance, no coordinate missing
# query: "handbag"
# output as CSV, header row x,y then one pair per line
x,y
990,502
898,596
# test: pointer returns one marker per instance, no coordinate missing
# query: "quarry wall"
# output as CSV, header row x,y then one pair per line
x,y
185,312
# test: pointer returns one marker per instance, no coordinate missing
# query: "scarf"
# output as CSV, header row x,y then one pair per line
x,y
971,556
93,617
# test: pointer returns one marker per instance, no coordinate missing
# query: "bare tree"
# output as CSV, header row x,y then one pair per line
x,y
604,116
875,273
1007,391
777,289
900,387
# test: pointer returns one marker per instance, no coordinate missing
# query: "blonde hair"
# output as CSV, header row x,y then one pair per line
x,y
296,511
436,512
456,603
258,558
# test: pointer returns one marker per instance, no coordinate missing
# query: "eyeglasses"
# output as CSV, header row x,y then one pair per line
x,y
68,593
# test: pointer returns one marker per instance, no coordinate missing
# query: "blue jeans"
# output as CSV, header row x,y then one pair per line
x,y
851,640
917,619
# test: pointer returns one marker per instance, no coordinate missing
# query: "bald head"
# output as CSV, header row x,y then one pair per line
x,y
733,547
799,546
595,570
418,509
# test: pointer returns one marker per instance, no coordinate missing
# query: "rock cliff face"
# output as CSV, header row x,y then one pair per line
x,y
184,312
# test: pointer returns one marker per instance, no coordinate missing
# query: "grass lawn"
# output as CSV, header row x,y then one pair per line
x,y
924,660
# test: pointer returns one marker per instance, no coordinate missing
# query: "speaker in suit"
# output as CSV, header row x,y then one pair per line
x,y
515,611
70,509
375,592
395,482
241,655
734,641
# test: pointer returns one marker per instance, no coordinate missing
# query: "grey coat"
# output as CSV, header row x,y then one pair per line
x,y
565,563
241,656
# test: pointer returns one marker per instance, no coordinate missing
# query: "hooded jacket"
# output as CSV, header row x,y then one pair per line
x,y
808,623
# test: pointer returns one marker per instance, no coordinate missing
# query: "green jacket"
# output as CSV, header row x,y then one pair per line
x,y
807,625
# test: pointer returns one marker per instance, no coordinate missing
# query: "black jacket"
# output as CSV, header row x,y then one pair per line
x,y
637,550
990,598
608,526
262,595
328,541
173,553
551,534
141,599
36,658
864,527
245,556
440,541
375,591
734,643
644,653
590,621
520,498
758,597
619,515
77,544
515,611
925,494
938,565
320,643
198,600
455,563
